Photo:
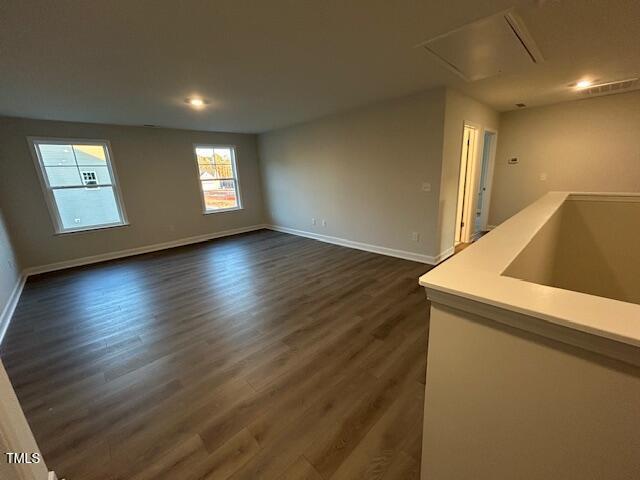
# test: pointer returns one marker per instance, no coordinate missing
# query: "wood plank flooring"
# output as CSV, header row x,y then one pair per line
x,y
262,355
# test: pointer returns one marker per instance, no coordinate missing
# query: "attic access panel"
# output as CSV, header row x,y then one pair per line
x,y
486,48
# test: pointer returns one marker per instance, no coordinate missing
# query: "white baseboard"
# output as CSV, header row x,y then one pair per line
x,y
444,255
10,307
7,312
138,250
391,252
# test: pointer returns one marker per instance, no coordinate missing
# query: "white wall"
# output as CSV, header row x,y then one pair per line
x,y
16,436
459,109
362,171
502,403
586,145
157,177
9,272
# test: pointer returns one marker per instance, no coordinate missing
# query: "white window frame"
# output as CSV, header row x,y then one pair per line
x,y
47,189
236,178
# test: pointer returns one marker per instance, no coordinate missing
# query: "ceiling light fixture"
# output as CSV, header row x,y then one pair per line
x,y
584,84
196,102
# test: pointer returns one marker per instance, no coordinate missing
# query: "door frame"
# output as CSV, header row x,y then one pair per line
x,y
464,210
486,196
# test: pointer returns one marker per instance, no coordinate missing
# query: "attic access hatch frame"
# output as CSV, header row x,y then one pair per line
x,y
523,51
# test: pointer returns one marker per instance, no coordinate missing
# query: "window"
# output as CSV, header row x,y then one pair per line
x,y
79,183
218,177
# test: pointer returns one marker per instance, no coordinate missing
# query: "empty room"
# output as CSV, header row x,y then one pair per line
x,y
323,240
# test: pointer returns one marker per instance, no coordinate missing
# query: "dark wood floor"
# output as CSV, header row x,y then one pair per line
x,y
262,355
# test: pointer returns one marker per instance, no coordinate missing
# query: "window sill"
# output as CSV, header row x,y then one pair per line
x,y
222,210
91,229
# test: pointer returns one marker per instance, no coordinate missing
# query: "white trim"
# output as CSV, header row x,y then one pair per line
x,y
391,252
10,307
236,177
47,189
222,210
605,197
138,250
444,255
92,229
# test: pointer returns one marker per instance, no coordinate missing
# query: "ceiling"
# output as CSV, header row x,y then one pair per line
x,y
264,64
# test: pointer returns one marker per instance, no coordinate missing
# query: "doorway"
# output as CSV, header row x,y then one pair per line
x,y
484,187
463,210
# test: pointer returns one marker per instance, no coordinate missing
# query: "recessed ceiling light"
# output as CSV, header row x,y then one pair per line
x,y
196,102
584,84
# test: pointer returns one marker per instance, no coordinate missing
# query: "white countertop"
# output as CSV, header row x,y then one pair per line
x,y
476,274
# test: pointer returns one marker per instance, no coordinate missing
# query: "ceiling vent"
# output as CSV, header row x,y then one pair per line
x,y
609,88
486,48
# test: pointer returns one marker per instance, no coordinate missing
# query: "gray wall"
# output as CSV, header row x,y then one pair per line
x,y
587,145
362,171
9,268
157,177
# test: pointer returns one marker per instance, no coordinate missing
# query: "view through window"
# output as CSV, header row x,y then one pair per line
x,y
218,177
79,184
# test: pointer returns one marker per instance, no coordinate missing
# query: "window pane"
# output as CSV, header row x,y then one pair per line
x,y
204,155
63,176
222,155
63,171
219,194
87,207
57,154
90,155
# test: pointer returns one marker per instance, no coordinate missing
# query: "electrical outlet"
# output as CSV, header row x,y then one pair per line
x,y
324,222
313,221
513,161
426,187
415,236
543,177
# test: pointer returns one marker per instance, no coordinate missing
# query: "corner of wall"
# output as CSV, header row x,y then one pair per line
x,y
459,108
266,215
12,279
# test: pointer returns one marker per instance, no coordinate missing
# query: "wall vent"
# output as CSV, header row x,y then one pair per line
x,y
609,88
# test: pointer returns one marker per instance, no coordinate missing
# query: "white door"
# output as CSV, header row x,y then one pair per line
x,y
463,211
